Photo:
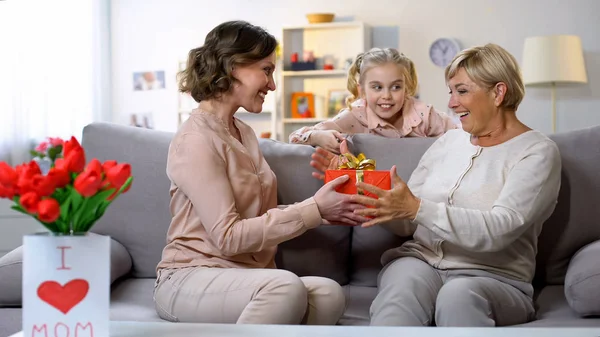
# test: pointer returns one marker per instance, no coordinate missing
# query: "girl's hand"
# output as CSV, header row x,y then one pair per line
x,y
323,160
397,203
328,139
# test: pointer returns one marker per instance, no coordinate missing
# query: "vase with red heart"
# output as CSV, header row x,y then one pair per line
x,y
66,271
66,285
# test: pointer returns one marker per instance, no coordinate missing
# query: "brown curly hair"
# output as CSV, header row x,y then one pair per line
x,y
208,71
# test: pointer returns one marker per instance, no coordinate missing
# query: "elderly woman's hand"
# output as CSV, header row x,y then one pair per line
x,y
323,160
397,203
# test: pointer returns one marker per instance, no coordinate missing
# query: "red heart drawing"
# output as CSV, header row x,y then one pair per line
x,y
63,298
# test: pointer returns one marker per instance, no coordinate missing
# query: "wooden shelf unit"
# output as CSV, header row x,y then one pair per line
x,y
338,41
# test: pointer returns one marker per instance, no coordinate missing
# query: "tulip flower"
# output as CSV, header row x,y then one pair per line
x,y
72,196
48,210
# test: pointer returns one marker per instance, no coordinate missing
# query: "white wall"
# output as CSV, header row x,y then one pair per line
x,y
156,34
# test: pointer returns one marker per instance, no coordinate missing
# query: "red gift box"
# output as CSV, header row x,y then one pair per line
x,y
380,179
359,168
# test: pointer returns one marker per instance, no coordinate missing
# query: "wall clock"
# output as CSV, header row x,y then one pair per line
x,y
443,50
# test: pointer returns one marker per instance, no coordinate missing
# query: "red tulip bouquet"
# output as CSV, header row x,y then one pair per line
x,y
71,196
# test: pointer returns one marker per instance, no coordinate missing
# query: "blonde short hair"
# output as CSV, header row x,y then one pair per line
x,y
487,65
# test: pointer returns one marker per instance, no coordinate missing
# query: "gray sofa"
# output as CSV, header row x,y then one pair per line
x,y
568,263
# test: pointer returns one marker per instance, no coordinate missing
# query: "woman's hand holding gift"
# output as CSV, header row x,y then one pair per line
x,y
397,203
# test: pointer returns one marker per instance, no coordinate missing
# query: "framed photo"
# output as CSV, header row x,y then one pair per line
x,y
303,105
148,80
336,101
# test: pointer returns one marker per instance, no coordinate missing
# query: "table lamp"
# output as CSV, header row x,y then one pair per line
x,y
553,60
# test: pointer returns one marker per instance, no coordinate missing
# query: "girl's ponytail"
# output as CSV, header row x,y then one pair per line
x,y
353,77
412,81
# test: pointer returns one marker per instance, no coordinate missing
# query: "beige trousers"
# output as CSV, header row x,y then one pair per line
x,y
247,296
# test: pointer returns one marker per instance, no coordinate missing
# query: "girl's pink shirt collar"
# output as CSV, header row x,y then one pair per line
x,y
411,118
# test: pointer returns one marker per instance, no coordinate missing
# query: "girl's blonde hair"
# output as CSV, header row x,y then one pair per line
x,y
377,57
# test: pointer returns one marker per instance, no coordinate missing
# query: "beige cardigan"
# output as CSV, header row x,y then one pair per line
x,y
482,207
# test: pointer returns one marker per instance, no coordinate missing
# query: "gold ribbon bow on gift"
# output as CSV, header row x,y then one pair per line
x,y
359,163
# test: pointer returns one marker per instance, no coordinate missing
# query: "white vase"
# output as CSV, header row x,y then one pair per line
x,y
66,285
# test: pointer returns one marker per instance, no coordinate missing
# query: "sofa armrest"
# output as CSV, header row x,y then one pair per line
x,y
582,281
11,278
11,272
120,261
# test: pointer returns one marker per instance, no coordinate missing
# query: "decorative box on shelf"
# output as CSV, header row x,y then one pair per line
x,y
300,66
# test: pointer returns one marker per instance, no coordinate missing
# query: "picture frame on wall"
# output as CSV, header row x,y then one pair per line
x,y
336,101
148,80
303,105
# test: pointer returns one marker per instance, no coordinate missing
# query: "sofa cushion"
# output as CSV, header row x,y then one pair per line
x,y
11,279
552,310
574,222
582,281
11,272
358,305
322,251
132,299
11,321
368,244
140,218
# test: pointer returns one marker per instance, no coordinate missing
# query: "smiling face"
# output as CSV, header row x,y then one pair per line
x,y
476,106
149,76
384,90
254,81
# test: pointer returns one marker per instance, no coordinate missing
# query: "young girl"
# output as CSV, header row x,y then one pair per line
x,y
383,83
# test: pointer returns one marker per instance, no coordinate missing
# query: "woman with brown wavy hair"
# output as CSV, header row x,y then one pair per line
x,y
218,265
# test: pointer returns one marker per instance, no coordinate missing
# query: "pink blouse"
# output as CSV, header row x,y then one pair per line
x,y
418,120
224,200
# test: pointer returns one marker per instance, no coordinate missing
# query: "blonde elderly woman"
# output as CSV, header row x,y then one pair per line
x,y
474,206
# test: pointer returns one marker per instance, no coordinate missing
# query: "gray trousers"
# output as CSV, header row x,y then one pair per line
x,y
250,296
413,293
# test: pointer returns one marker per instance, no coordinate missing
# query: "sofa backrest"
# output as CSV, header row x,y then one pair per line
x,y
323,251
574,223
368,244
138,219
576,219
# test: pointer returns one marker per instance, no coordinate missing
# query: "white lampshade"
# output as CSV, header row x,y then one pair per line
x,y
553,59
